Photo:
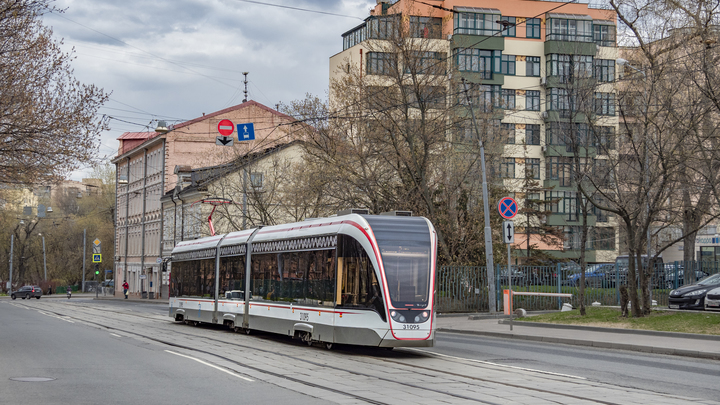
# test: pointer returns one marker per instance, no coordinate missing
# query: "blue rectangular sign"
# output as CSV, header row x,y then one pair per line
x,y
246,132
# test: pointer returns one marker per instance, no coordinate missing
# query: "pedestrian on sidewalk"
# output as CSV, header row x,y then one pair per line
x,y
126,286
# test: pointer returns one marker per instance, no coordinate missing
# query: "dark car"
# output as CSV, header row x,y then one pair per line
x,y
28,292
693,296
594,275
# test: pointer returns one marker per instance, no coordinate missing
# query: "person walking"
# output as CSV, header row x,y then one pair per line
x,y
126,286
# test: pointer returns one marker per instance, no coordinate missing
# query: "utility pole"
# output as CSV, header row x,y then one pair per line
x,y
84,257
12,242
492,298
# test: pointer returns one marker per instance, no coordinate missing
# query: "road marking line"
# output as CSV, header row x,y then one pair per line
x,y
500,365
54,316
112,334
211,365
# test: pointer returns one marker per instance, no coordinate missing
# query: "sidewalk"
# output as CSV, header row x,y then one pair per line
x,y
678,344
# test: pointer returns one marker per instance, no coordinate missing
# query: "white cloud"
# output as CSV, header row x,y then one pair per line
x,y
178,59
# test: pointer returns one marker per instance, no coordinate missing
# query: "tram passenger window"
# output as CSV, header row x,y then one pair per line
x,y
232,275
193,278
358,284
306,278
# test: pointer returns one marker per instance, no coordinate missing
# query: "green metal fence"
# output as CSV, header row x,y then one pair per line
x,y
465,289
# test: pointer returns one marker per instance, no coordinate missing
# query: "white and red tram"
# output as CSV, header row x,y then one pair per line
x,y
352,279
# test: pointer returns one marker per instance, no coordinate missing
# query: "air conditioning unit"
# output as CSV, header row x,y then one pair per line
x,y
544,115
543,81
543,148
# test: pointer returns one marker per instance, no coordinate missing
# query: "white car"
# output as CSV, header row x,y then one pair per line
x,y
712,300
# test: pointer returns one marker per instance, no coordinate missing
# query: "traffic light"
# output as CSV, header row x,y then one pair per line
x,y
97,272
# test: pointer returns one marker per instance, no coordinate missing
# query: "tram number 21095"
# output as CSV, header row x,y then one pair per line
x,y
406,326
304,316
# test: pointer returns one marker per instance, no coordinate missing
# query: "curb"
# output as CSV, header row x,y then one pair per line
x,y
591,343
615,330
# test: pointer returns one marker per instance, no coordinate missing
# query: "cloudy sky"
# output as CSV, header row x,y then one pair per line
x,y
176,59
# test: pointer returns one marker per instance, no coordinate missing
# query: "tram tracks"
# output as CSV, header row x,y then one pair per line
x,y
404,362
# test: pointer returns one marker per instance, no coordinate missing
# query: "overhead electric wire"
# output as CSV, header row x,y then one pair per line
x,y
299,9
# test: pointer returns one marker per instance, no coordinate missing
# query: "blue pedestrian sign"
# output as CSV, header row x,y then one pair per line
x,y
97,258
508,207
246,132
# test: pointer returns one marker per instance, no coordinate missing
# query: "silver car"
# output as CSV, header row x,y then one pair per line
x,y
712,300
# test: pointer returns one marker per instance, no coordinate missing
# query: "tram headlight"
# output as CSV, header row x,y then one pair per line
x,y
422,317
397,316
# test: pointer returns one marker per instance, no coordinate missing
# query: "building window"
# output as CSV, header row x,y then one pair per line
x,y
573,30
426,27
509,130
478,60
532,134
256,180
355,36
532,100
558,100
483,97
381,63
532,28
477,24
603,238
509,28
566,134
605,70
532,168
432,63
562,202
507,168
604,103
383,27
508,99
428,97
567,67
603,34
559,168
532,66
604,138
507,65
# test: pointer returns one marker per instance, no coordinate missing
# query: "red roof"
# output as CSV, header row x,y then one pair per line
x,y
233,108
138,135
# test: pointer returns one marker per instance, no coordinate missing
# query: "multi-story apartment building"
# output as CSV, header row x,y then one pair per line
x,y
531,60
146,166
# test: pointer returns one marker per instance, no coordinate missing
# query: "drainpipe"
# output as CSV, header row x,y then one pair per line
x,y
361,65
142,236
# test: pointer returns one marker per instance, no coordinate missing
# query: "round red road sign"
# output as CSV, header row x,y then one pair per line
x,y
226,127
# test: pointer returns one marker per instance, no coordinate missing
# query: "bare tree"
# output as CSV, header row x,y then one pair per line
x,y
48,121
398,136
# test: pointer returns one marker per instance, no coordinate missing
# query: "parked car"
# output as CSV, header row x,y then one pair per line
x,y
595,275
669,278
28,292
693,296
712,300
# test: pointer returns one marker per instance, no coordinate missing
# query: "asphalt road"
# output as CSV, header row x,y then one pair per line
x,y
88,365
658,373
131,353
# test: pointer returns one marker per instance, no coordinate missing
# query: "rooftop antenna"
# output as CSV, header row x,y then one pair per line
x,y
246,82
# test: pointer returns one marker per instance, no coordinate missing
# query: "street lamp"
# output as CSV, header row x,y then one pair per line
x,y
44,255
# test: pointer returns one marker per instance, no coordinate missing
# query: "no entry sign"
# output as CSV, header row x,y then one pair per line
x,y
226,127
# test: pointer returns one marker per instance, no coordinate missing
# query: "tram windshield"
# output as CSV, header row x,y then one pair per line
x,y
406,251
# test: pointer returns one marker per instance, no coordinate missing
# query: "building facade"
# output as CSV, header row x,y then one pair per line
x,y
548,71
146,170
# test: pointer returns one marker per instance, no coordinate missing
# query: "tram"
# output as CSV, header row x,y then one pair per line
x,y
352,279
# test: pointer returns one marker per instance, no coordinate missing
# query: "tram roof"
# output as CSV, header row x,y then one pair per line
x,y
310,227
